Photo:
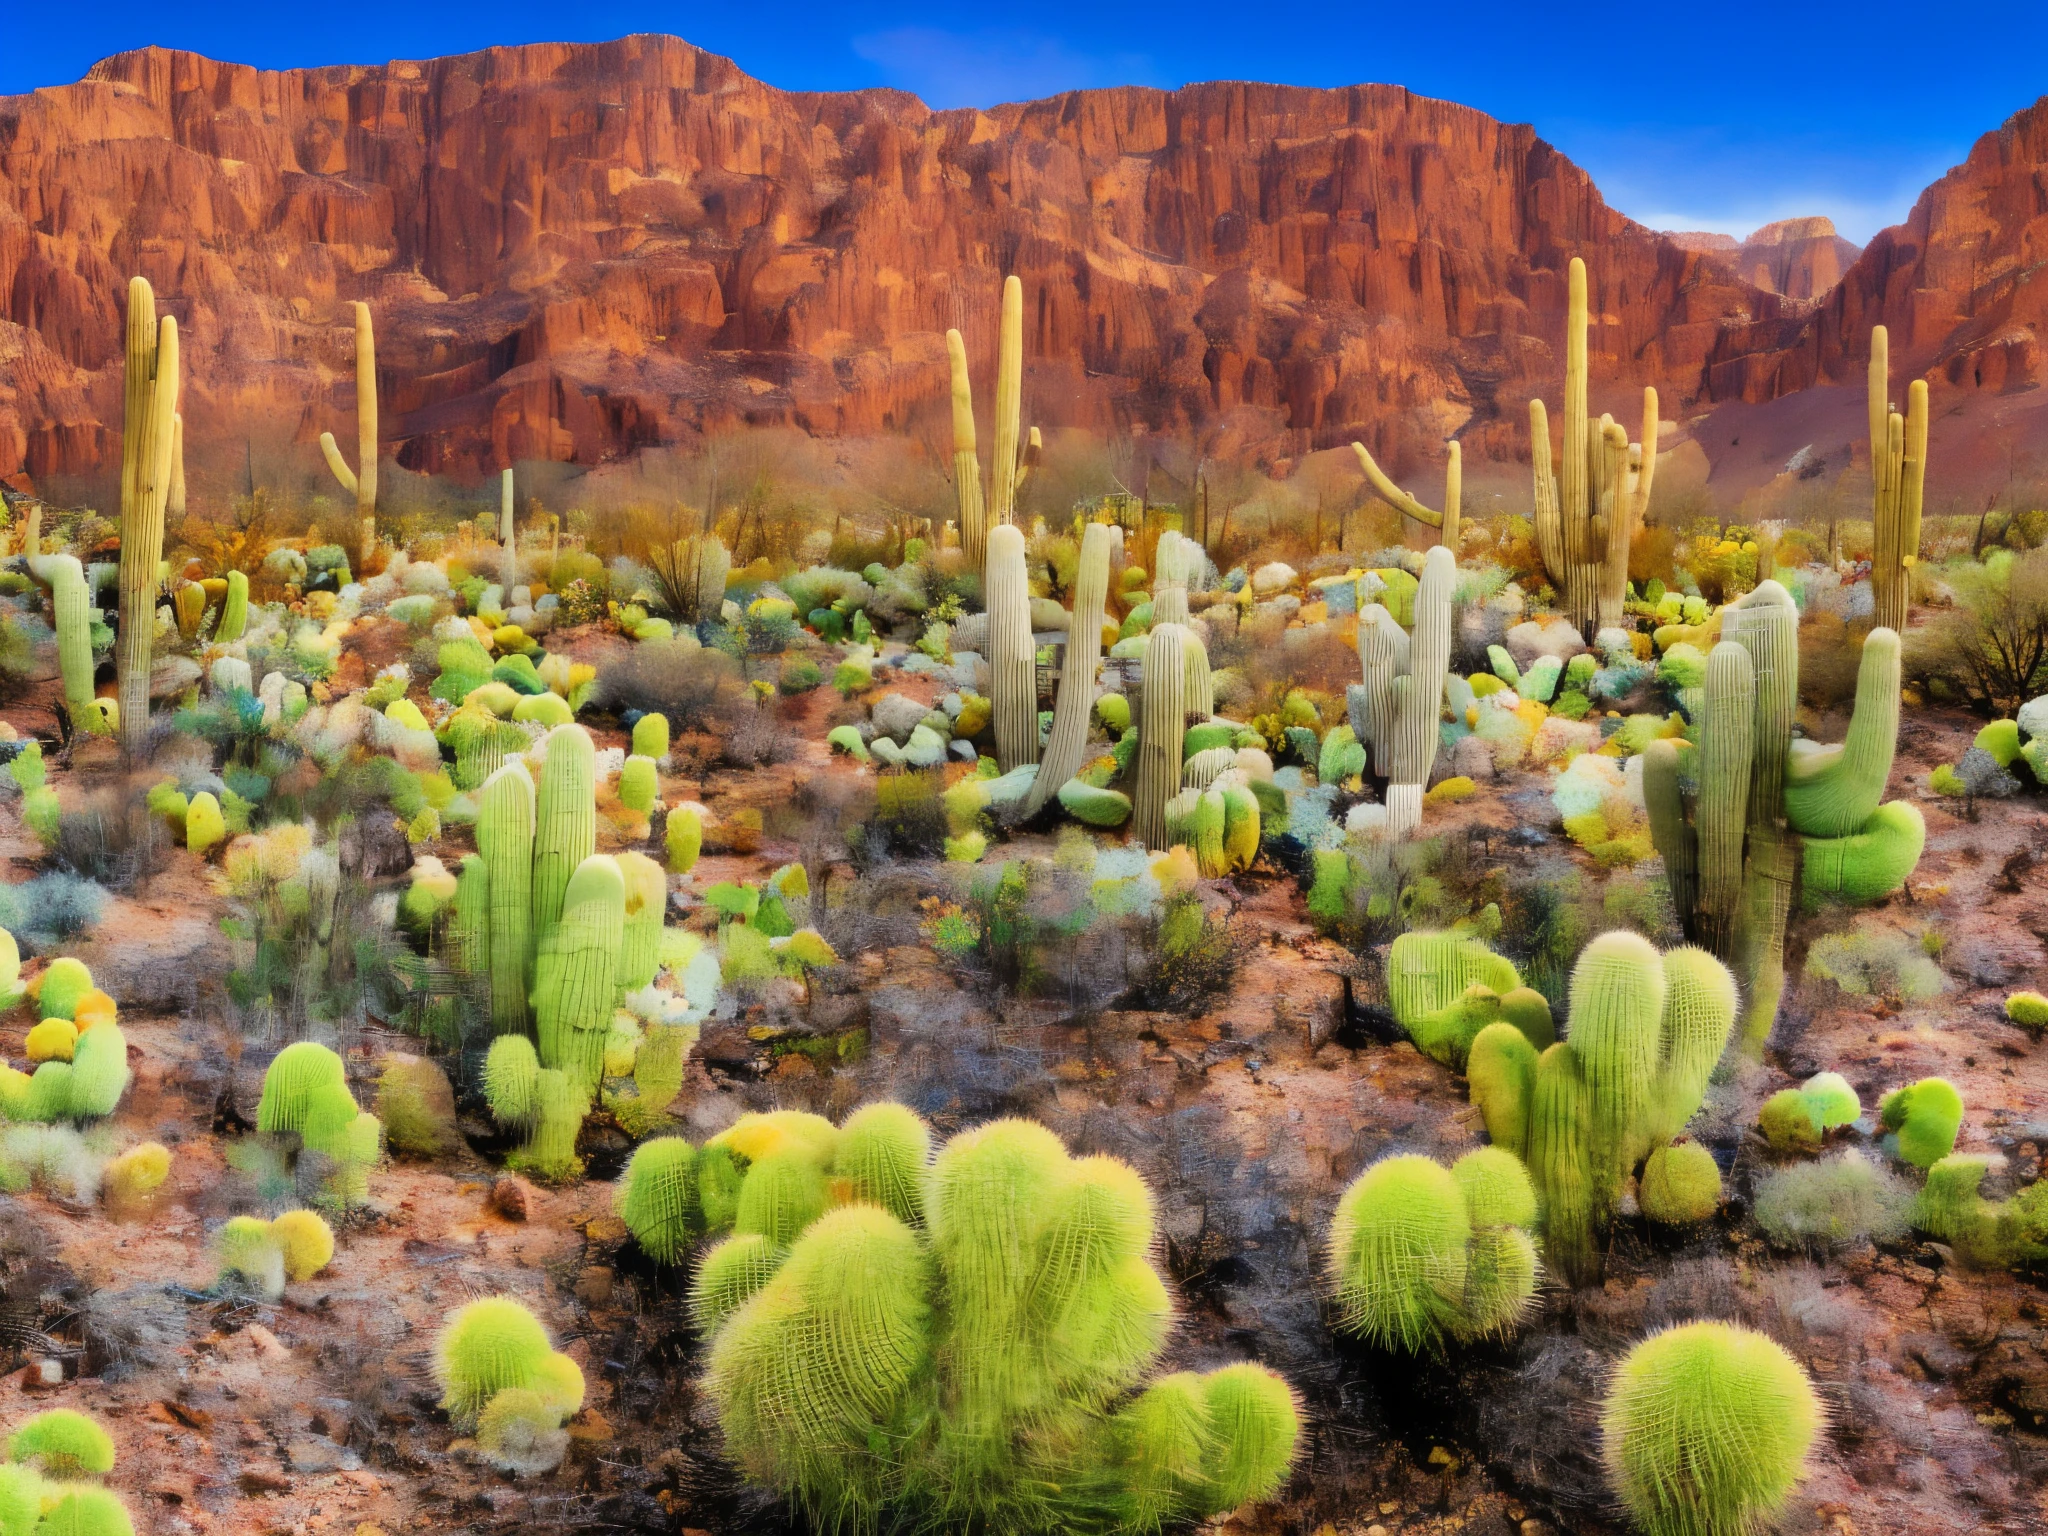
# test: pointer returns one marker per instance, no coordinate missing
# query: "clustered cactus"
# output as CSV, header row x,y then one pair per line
x,y
1395,712
1644,1033
954,1338
47,1485
1444,988
500,1374
1420,1253
306,1094
1010,465
1724,814
1898,477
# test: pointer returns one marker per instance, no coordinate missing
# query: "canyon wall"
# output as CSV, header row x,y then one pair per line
x,y
574,251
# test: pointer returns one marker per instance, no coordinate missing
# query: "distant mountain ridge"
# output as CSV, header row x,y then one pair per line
x,y
574,251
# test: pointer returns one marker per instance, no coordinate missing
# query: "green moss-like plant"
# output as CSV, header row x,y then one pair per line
x,y
63,1443
1706,1430
488,1346
290,1082
1681,1185
2029,1010
1925,1116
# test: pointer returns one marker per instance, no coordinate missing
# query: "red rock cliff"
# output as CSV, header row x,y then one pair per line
x,y
572,251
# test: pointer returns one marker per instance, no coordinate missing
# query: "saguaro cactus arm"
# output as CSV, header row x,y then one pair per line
x,y
966,457
1446,520
362,482
1003,468
1898,473
1832,791
148,458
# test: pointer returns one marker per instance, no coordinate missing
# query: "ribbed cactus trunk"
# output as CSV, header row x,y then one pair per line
x,y
362,483
504,838
575,972
646,904
1727,754
148,453
1003,476
1383,651
565,821
1013,659
69,606
1445,522
1767,625
1162,722
1172,562
1068,744
1898,475
469,921
1617,1001
966,456
1419,696
1665,765
1587,513
1561,1164
234,610
508,540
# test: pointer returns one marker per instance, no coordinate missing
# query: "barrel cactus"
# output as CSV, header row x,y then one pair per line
x,y
1706,1430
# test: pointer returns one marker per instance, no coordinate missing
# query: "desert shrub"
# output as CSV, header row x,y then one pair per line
x,y
755,738
1879,963
1990,651
1833,1203
908,822
1186,955
111,839
695,686
46,911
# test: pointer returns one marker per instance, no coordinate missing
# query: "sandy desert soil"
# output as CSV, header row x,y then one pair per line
x,y
317,1414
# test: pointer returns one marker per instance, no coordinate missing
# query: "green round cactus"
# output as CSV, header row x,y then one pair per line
x,y
250,1255
1617,993
1831,1100
1706,1430
63,1443
49,1093
1681,1185
99,1072
884,1151
511,1080
63,984
290,1083
1788,1123
727,1277
2029,1010
21,1500
87,1512
783,1194
1398,1252
638,784
657,1198
1252,1413
1430,977
1926,1117
559,1381
650,736
559,1103
1501,1072
489,1345
518,1432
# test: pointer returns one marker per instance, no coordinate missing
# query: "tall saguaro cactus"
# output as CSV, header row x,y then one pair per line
x,y
1008,468
1446,521
1013,659
149,432
1898,477
1068,743
1588,510
362,483
508,573
1398,708
1736,816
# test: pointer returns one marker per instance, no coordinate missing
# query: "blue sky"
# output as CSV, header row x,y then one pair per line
x,y
1687,118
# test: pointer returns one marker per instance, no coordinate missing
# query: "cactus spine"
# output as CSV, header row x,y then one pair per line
x,y
1587,512
362,484
1068,743
1013,659
1898,476
504,835
1446,521
149,431
1162,722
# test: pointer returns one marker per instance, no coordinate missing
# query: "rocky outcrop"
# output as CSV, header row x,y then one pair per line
x,y
1961,286
573,251
1800,258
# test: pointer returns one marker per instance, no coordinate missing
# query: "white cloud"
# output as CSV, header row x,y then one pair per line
x,y
987,67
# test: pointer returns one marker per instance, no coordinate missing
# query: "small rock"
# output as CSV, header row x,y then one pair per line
x,y
49,1372
317,1453
512,1198
265,1343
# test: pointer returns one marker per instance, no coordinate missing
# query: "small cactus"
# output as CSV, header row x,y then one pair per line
x,y
250,1256
1925,1116
1706,1430
294,1076
305,1241
657,1198
63,1443
488,1346
1681,1185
